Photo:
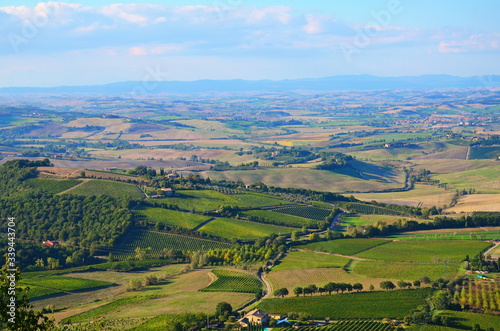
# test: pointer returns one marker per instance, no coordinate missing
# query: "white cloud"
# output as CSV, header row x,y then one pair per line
x,y
475,43
138,51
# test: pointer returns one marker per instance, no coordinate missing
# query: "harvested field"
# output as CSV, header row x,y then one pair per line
x,y
477,202
456,153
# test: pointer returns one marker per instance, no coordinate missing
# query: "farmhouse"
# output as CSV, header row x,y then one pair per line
x,y
50,243
168,192
255,316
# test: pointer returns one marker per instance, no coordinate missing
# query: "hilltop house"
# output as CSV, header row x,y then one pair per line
x,y
255,316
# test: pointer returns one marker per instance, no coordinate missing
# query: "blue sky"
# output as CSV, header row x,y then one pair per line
x,y
96,42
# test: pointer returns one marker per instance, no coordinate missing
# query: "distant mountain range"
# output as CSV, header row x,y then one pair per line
x,y
335,83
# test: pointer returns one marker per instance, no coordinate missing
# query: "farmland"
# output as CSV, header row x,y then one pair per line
x,y
407,271
489,152
484,233
393,304
484,180
280,218
232,228
436,251
55,284
369,209
52,185
233,281
313,213
159,241
103,187
204,200
170,217
345,246
305,260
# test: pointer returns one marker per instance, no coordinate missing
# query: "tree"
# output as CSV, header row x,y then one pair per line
x,y
425,280
223,309
330,287
416,283
281,292
135,284
387,285
401,284
372,287
295,235
357,286
298,290
20,315
312,289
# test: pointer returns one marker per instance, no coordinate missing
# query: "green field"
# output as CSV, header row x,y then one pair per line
x,y
486,152
159,241
406,271
484,180
233,281
390,304
465,321
170,217
305,260
369,209
361,220
259,200
55,284
232,228
436,251
314,213
452,234
104,187
345,246
52,185
280,218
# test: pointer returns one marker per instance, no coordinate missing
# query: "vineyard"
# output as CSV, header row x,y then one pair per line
x,y
487,152
345,246
306,260
52,185
170,217
202,200
314,213
374,305
267,216
158,241
369,209
233,281
109,188
348,326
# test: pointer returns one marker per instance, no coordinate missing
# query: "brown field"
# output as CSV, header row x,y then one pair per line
x,y
457,230
95,121
302,178
165,154
456,153
168,134
232,143
452,166
205,125
477,202
427,195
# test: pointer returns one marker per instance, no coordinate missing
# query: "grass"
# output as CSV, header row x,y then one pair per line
x,y
360,220
406,271
170,217
203,200
465,321
390,304
259,200
280,218
233,281
420,251
345,246
103,187
54,284
52,185
305,260
232,228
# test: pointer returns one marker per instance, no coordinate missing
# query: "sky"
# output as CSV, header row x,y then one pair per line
x,y
98,42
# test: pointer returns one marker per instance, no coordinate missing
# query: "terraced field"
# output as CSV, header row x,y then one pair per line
x,y
233,281
232,228
104,187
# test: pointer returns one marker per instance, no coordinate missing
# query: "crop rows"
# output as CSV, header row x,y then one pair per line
x,y
158,241
480,295
368,209
233,281
52,185
104,187
488,152
314,213
55,284
348,326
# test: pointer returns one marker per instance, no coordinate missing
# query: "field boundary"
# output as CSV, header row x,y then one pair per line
x,y
199,226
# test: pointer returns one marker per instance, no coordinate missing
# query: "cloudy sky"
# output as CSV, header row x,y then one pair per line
x,y
96,42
